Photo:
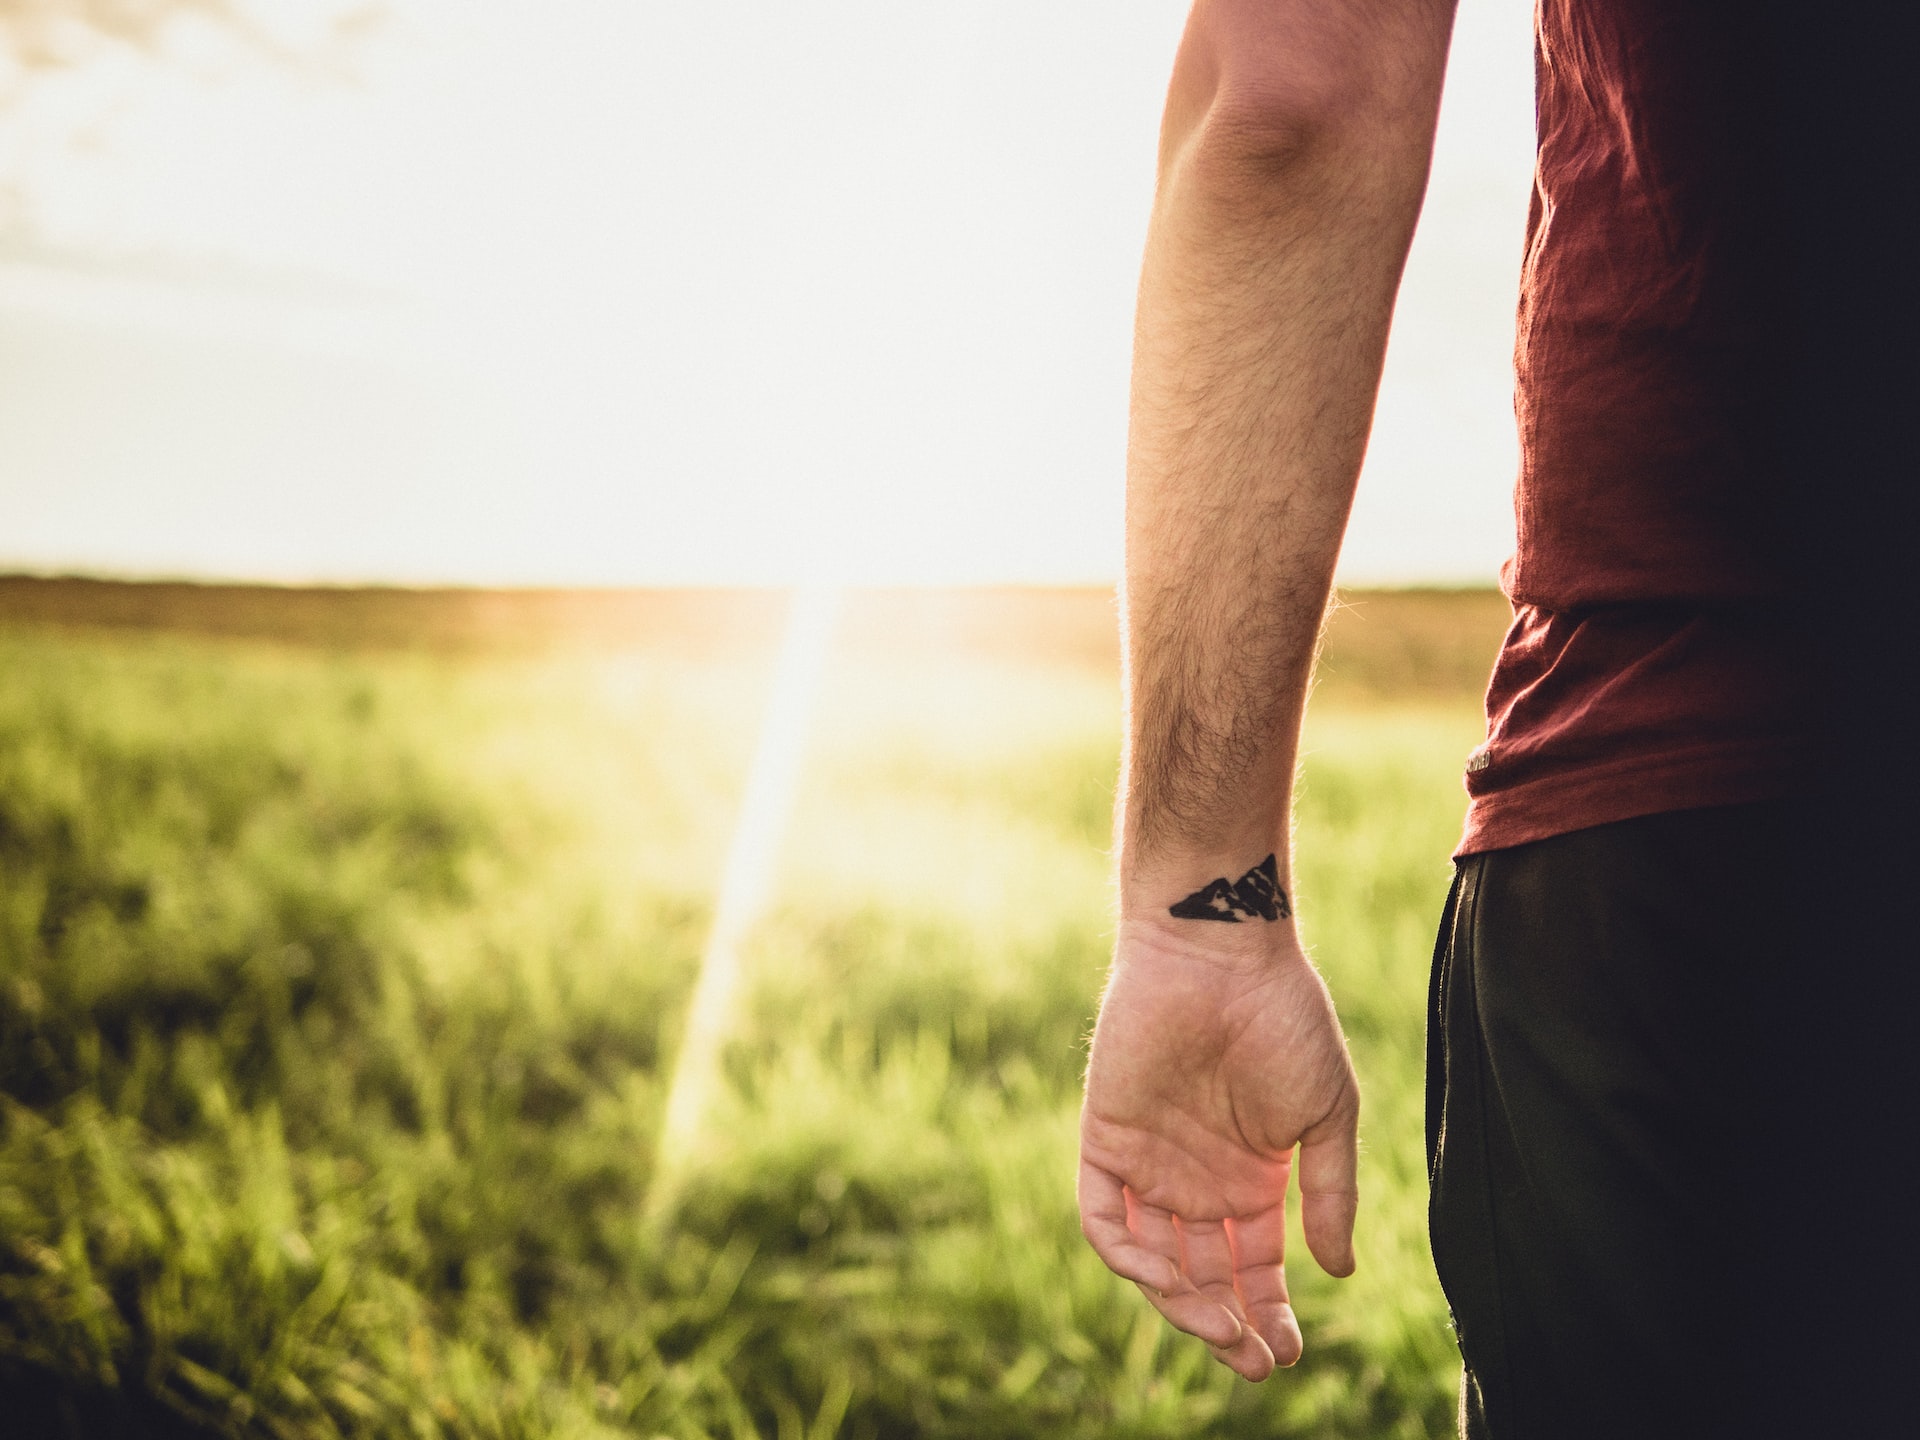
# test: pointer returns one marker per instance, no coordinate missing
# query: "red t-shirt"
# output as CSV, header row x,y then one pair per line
x,y
1649,666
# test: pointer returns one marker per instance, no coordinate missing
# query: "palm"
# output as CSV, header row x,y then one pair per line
x,y
1206,1073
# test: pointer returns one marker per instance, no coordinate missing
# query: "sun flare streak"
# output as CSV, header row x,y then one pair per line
x,y
747,880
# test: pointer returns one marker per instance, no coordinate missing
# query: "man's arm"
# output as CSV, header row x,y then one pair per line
x,y
1293,159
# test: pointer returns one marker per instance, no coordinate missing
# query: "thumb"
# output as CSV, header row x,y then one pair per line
x,y
1329,1191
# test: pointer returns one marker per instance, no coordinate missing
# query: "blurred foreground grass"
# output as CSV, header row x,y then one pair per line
x,y
337,985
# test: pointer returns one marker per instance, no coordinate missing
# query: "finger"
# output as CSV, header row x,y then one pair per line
x,y
1103,1220
1207,1257
1259,1245
1214,1317
1250,1359
1188,1310
1329,1190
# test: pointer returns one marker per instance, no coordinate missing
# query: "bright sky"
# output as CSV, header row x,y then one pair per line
x,y
577,291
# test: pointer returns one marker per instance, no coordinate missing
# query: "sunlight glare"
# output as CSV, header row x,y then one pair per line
x,y
747,879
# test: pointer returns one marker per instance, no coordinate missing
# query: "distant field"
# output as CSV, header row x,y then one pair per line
x,y
344,939
1379,643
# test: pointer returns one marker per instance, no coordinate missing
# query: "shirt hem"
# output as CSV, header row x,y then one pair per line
x,y
1560,804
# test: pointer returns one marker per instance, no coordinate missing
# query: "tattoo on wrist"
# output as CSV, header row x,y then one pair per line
x,y
1256,893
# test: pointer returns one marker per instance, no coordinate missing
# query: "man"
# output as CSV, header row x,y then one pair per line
x,y
1668,1052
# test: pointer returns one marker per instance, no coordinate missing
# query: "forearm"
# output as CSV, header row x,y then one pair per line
x,y
1281,224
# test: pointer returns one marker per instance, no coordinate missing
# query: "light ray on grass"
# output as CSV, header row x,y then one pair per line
x,y
746,880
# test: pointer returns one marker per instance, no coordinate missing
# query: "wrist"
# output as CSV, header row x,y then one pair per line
x,y
1150,932
1218,892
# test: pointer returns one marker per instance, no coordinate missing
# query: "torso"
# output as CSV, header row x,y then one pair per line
x,y
1647,666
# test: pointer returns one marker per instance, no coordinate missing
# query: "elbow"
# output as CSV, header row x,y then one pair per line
x,y
1263,91
1248,134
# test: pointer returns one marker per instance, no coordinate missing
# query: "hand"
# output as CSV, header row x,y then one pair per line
x,y
1217,1051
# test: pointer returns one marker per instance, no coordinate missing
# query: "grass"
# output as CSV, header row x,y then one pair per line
x,y
337,988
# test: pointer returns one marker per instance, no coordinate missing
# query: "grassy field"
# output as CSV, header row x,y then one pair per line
x,y
342,959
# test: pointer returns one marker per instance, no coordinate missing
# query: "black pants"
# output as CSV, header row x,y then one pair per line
x,y
1631,1084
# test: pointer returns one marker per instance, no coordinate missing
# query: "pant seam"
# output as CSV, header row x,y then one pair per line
x,y
1467,930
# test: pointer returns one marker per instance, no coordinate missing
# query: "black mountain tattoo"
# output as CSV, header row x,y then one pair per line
x,y
1257,892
